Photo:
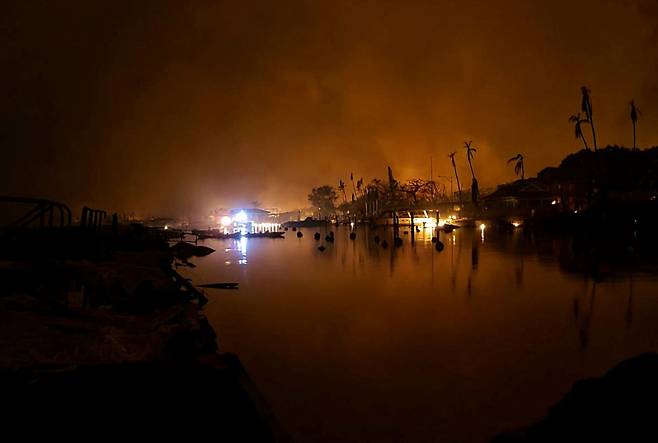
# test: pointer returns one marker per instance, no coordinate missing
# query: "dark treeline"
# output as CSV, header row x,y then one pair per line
x,y
613,170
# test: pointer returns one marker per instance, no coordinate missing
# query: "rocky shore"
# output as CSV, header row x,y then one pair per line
x,y
103,316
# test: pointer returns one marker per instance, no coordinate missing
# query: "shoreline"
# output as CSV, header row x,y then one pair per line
x,y
118,322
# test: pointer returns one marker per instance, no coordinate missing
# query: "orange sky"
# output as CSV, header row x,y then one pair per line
x,y
176,107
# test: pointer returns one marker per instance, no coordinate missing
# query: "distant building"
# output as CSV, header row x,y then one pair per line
x,y
253,215
296,215
522,198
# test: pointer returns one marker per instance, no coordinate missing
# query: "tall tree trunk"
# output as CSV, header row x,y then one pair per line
x,y
591,123
459,188
633,135
475,192
582,136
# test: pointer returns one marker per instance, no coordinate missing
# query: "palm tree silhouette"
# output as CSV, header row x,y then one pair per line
x,y
586,107
359,186
341,186
634,113
470,152
519,168
353,188
454,167
577,121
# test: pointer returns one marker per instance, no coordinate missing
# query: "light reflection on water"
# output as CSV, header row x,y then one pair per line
x,y
242,250
361,343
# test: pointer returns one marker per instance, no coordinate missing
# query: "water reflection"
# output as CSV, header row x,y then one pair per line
x,y
361,342
242,249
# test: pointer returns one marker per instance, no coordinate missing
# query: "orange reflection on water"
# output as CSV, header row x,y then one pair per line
x,y
364,343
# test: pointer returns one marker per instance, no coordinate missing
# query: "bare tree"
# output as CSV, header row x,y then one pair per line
x,y
416,188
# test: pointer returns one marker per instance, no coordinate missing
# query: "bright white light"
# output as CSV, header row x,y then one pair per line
x,y
241,216
554,202
424,220
352,225
483,227
226,220
442,222
264,227
242,248
516,224
166,227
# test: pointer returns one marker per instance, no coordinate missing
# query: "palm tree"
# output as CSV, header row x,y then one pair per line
x,y
454,167
470,152
341,186
577,121
353,188
586,107
359,186
518,167
634,113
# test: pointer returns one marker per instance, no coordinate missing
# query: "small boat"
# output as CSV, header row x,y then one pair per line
x,y
183,250
219,286
448,228
306,223
220,236
275,234
214,233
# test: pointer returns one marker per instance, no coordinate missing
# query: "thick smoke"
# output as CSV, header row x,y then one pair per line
x,y
170,107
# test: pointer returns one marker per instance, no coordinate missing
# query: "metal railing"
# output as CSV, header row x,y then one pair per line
x,y
43,213
92,218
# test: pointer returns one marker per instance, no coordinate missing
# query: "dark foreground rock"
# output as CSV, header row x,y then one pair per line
x,y
620,406
213,397
113,339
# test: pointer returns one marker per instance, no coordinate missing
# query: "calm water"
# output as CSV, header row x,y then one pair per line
x,y
360,343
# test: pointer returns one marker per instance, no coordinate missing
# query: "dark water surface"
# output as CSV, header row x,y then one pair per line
x,y
360,343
